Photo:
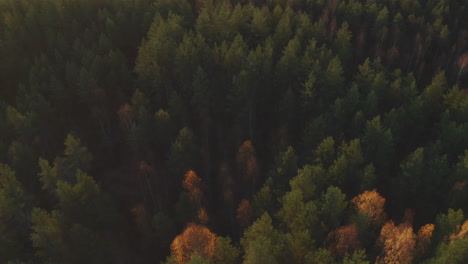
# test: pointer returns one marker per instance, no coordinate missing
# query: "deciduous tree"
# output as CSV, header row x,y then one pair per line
x,y
398,243
372,204
193,185
194,240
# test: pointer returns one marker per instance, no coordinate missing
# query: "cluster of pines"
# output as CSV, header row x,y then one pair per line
x,y
234,131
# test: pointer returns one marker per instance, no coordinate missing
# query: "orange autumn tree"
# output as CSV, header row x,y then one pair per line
x,y
423,239
195,240
193,185
372,204
461,233
344,240
398,244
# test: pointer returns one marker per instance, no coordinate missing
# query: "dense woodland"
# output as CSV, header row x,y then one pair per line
x,y
257,132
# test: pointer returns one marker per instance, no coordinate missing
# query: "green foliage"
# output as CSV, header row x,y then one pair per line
x,y
48,175
236,54
307,180
12,192
260,250
196,259
53,239
260,26
76,225
80,200
47,232
202,97
263,201
163,126
457,103
296,214
304,29
325,152
422,177
358,257
16,120
347,163
225,252
361,95
458,195
286,167
262,243
164,229
342,44
18,154
183,154
333,206
139,101
368,178
333,79
403,88
290,68
378,144
320,256
300,243
156,52
283,31
455,252
77,156
446,224
170,260
381,20
261,227
14,218
64,168
412,170
365,75
434,92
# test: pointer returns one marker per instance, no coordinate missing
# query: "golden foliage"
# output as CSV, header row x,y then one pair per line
x,y
244,212
462,232
423,239
344,240
425,232
371,203
195,239
192,184
398,244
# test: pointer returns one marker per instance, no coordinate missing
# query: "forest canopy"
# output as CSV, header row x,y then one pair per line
x,y
241,131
